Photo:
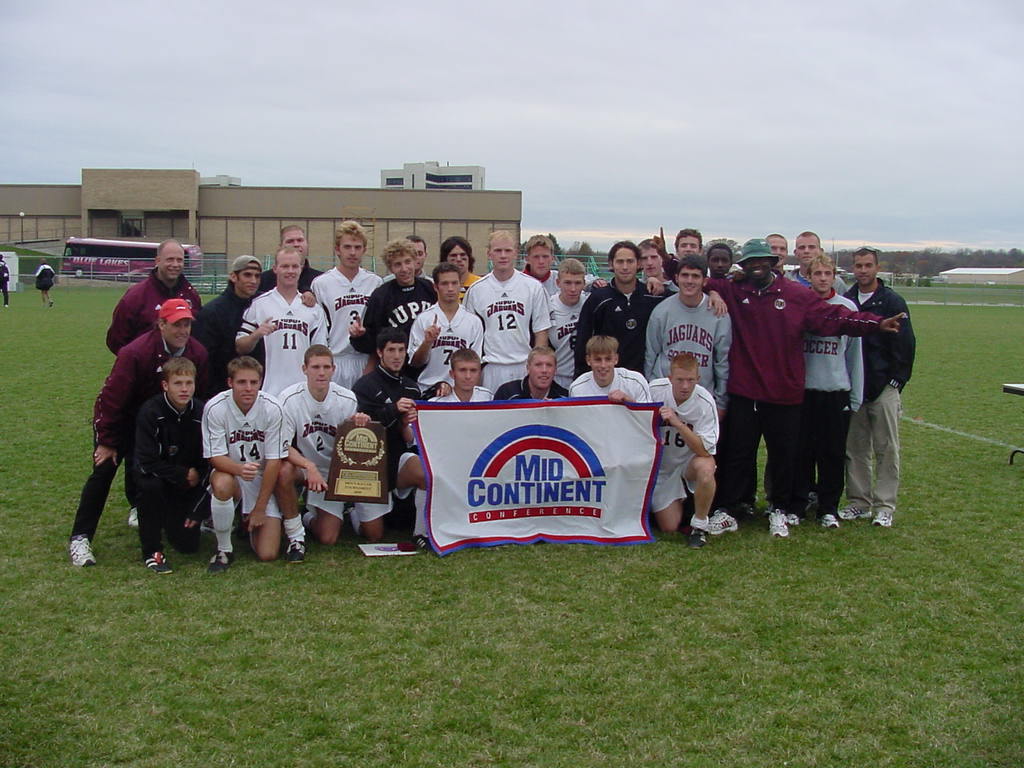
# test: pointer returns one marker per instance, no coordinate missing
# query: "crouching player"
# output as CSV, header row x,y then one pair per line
x,y
389,398
465,373
313,409
170,471
620,385
242,438
689,434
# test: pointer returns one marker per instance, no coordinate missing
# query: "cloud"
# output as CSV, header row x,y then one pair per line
x,y
874,122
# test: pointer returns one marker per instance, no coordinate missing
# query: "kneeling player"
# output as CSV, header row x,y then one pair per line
x,y
689,432
170,472
465,373
313,409
242,438
621,385
389,398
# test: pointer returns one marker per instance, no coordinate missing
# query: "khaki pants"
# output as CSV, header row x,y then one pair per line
x,y
874,434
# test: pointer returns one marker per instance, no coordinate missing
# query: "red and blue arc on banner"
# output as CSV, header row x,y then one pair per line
x,y
538,437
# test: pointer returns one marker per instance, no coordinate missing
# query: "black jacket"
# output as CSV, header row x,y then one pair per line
x,y
215,328
888,357
393,305
607,312
168,443
520,390
377,394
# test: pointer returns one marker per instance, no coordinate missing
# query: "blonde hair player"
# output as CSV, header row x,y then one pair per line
x,y
689,437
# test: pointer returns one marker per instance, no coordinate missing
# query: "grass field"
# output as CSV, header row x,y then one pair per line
x,y
856,647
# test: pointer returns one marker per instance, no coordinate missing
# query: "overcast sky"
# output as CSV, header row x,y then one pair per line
x,y
884,122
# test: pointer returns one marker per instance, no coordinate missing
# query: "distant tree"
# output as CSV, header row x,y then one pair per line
x,y
580,249
558,248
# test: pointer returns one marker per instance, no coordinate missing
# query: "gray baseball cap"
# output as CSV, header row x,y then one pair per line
x,y
244,262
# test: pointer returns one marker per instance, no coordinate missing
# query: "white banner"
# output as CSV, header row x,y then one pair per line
x,y
578,470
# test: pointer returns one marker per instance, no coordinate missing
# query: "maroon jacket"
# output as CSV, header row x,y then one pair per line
x,y
137,310
134,379
766,359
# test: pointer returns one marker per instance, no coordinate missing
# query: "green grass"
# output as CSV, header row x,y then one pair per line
x,y
964,294
855,647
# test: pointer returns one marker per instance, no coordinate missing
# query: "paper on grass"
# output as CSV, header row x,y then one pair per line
x,y
384,550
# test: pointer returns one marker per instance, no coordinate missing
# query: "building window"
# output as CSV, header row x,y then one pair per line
x,y
452,178
449,186
394,182
131,226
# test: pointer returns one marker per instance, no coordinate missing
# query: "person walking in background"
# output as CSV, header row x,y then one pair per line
x,y
5,276
45,278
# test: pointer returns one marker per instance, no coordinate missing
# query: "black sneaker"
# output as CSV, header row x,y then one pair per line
x,y
220,561
158,564
421,542
696,539
296,552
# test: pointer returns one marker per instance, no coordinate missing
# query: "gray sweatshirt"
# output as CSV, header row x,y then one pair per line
x,y
675,329
834,363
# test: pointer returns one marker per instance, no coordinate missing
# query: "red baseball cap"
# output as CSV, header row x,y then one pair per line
x,y
174,310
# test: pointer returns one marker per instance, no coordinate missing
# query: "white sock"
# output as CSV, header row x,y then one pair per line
x,y
700,525
223,514
293,529
420,526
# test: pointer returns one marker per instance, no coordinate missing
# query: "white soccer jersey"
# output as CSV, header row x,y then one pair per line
x,y
464,331
343,302
246,437
314,424
630,382
297,328
512,311
699,413
562,336
480,395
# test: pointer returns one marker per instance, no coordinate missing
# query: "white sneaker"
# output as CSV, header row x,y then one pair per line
x,y
792,519
829,521
721,522
777,524
133,518
80,551
883,518
853,513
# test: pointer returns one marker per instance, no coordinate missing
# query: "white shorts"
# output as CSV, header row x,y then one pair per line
x,y
669,486
365,511
496,374
348,368
563,381
315,499
251,492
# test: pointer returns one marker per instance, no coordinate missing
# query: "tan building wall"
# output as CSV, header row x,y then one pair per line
x,y
1016,278
175,194
235,220
52,211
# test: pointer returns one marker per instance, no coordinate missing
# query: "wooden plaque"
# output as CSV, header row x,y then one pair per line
x,y
359,466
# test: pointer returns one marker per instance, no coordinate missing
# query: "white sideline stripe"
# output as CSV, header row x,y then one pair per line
x,y
979,438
